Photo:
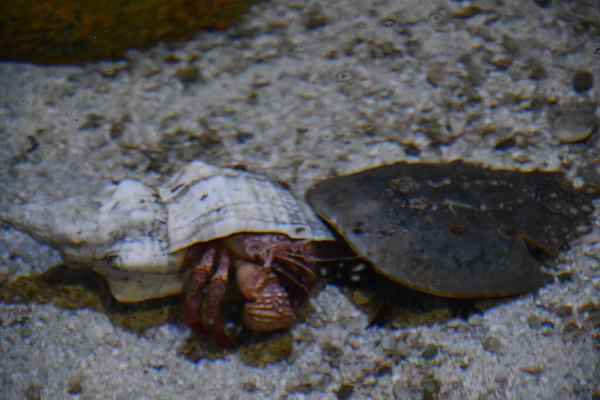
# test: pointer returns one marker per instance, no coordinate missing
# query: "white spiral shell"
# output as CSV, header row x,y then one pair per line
x,y
135,235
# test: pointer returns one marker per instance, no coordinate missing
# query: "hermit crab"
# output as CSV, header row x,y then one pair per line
x,y
201,229
454,229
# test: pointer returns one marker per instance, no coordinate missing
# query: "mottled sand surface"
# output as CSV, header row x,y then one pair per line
x,y
301,91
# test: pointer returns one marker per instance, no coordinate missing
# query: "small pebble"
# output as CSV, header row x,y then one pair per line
x,y
344,391
412,150
502,62
583,81
360,298
574,124
249,386
492,344
564,310
505,144
304,388
26,332
548,324
429,352
534,321
277,348
590,306
430,385
468,11
402,391
75,385
501,376
331,350
401,351
571,327
187,75
538,73
566,276
33,392
532,369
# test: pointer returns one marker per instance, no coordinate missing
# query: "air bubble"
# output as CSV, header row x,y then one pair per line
x,y
326,136
592,50
573,211
437,19
359,267
556,206
344,76
75,167
583,229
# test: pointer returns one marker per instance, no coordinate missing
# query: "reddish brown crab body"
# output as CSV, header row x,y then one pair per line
x,y
258,262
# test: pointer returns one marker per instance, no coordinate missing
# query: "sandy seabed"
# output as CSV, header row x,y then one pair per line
x,y
303,91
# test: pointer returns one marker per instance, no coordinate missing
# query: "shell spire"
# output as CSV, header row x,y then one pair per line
x,y
124,224
57,224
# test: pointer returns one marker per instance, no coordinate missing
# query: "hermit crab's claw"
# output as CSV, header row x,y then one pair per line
x,y
268,308
291,259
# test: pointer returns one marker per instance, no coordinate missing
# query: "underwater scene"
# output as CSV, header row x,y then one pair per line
x,y
280,199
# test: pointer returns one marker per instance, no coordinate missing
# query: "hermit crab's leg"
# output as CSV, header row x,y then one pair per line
x,y
297,287
212,318
195,292
268,308
269,248
288,275
297,263
301,275
299,259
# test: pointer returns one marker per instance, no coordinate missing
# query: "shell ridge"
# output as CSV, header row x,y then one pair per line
x,y
133,220
212,199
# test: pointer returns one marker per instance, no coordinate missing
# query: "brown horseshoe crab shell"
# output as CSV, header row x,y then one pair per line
x,y
454,229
